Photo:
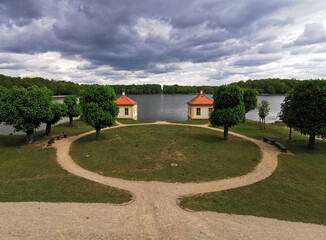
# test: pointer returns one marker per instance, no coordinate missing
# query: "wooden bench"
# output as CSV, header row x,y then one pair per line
x,y
283,148
63,135
267,139
51,141
277,144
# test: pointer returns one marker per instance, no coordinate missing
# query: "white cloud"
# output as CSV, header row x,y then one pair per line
x,y
147,27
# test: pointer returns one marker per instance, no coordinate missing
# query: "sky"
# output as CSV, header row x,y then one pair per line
x,y
181,42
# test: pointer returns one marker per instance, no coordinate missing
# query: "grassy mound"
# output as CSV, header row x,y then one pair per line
x,y
166,153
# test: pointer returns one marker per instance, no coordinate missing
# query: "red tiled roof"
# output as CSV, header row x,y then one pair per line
x,y
201,100
125,101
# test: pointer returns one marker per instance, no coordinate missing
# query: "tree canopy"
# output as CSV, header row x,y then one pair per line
x,y
229,108
263,111
73,108
25,109
308,106
56,112
250,100
98,107
3,90
286,114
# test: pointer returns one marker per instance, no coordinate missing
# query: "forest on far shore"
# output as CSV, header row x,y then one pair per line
x,y
263,86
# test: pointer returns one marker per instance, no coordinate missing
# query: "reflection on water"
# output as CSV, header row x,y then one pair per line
x,y
159,107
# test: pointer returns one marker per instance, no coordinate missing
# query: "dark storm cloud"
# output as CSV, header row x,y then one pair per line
x,y
18,12
110,32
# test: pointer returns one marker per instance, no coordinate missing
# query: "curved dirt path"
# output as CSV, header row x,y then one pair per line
x,y
154,213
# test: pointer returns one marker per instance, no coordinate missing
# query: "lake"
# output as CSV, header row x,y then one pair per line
x,y
173,107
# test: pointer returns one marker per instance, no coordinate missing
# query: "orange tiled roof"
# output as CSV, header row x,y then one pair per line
x,y
125,101
201,100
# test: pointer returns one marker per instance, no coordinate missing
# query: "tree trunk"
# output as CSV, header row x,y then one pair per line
x,y
259,124
226,133
98,136
311,144
290,133
70,121
29,137
244,119
48,129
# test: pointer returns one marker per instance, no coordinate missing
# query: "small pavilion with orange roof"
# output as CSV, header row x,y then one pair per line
x,y
127,107
200,107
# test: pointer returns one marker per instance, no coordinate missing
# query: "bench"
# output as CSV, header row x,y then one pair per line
x,y
267,139
51,141
277,144
283,148
63,135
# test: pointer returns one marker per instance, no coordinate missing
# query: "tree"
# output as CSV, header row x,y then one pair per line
x,y
3,91
270,89
286,114
229,108
25,109
98,107
263,111
308,102
73,109
250,100
57,111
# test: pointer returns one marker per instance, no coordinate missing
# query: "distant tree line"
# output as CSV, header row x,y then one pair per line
x,y
270,85
71,88
57,87
137,89
263,86
169,89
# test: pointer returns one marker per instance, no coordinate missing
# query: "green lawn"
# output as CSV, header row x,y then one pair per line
x,y
146,153
194,121
130,121
78,128
28,174
295,192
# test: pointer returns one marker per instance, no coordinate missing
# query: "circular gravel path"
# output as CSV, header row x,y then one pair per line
x,y
153,213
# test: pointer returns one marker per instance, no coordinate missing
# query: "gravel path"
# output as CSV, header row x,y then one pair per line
x,y
153,213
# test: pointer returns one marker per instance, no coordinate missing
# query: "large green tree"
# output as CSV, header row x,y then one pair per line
x,y
56,112
286,114
73,108
263,111
98,107
3,90
25,109
308,102
229,108
250,100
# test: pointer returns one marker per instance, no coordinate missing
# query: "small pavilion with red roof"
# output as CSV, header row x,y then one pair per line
x,y
200,107
127,106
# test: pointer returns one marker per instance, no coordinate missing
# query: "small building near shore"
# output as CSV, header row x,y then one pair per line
x,y
200,107
127,107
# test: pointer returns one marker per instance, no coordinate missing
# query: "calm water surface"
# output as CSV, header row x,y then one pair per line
x,y
159,107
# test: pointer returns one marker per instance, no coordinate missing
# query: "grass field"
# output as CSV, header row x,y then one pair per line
x,y
130,121
296,191
147,152
28,174
195,121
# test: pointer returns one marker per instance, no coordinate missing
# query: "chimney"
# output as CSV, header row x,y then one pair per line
x,y
201,92
123,93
